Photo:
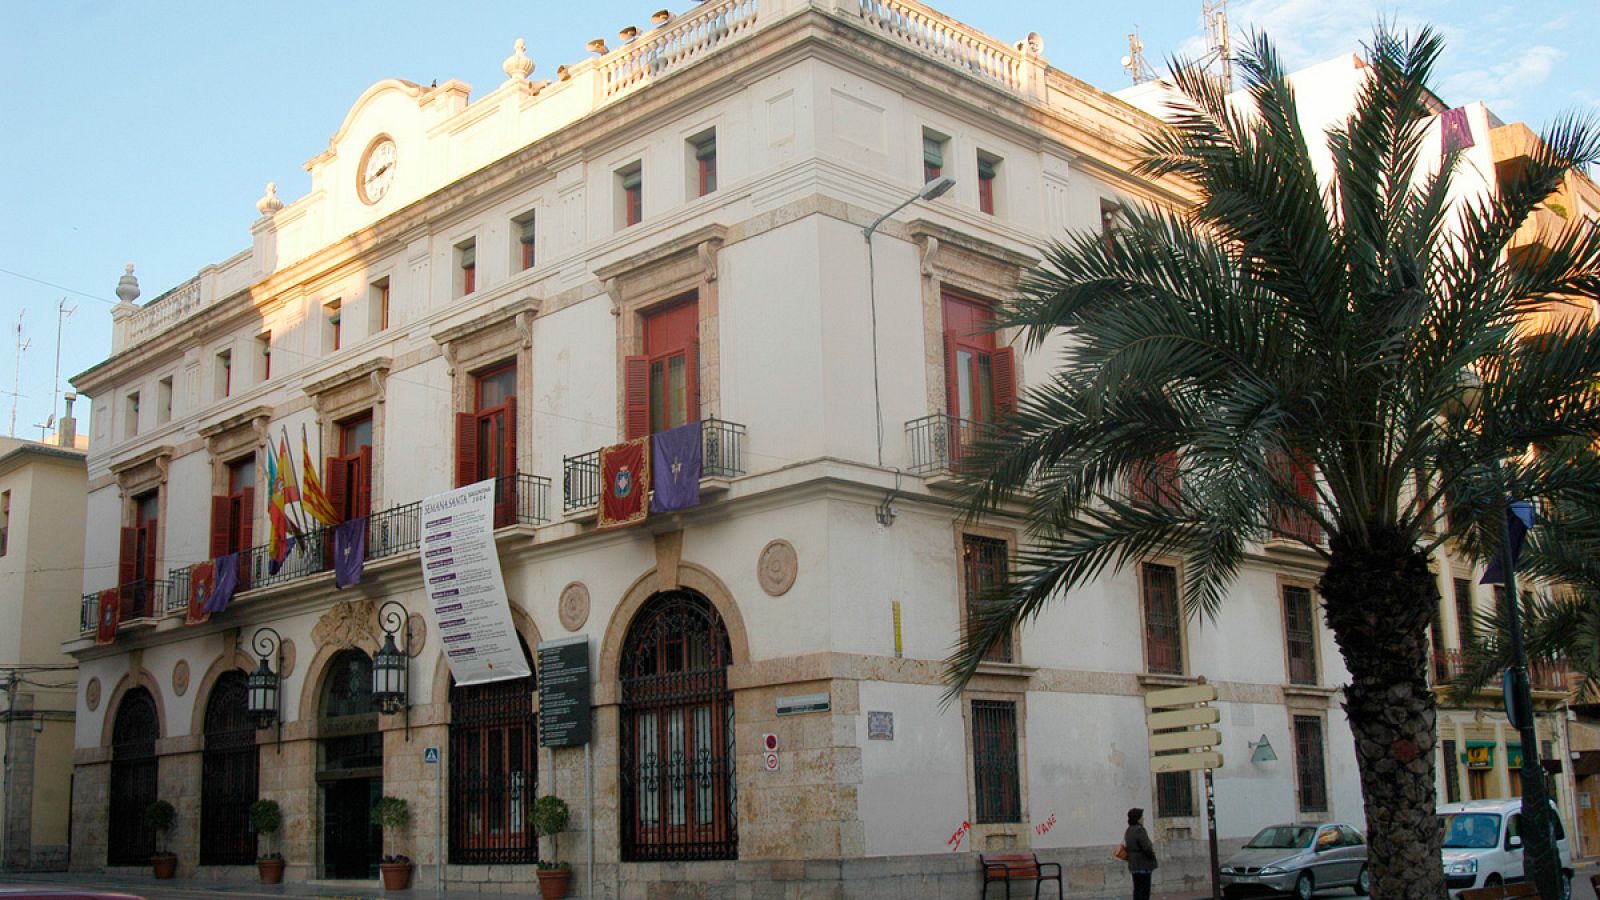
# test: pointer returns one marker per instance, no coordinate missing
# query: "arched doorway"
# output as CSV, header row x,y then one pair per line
x,y
134,770
493,771
349,768
229,770
677,759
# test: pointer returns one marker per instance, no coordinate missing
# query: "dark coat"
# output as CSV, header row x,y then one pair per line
x,y
1141,853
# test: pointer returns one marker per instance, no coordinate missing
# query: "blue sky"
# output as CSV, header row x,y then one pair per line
x,y
144,132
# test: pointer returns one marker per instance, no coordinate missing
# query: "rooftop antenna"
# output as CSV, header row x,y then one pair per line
x,y
1219,46
1134,62
63,313
16,385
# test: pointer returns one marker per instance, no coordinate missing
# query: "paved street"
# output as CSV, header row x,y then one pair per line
x,y
191,890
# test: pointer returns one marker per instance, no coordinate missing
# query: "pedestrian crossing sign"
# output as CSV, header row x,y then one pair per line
x,y
430,756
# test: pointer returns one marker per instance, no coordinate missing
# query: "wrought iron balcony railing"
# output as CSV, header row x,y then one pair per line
x,y
1542,676
940,442
721,456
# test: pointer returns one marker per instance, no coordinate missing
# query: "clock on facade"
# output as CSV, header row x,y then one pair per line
x,y
377,170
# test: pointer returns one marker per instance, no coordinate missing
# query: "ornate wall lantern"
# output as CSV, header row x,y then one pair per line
x,y
264,695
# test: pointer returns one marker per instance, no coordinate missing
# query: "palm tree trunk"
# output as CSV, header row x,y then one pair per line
x,y
1379,598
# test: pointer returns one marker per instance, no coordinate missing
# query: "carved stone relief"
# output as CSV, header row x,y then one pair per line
x,y
777,567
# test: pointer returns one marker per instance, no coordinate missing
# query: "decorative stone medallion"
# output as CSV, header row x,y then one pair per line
x,y
288,659
91,694
574,606
180,677
777,567
416,633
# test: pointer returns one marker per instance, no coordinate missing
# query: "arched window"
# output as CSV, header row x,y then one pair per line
x,y
134,766
493,771
228,776
678,797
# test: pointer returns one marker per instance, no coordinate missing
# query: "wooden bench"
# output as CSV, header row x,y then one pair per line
x,y
1008,867
1501,892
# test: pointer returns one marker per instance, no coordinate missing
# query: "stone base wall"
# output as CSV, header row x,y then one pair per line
x,y
91,797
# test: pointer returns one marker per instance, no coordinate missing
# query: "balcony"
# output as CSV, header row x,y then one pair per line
x,y
142,603
941,442
722,456
1542,676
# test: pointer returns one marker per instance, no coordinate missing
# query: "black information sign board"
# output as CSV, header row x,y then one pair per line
x,y
564,707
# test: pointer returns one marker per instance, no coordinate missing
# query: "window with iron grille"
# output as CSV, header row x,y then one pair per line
x,y
1311,781
994,761
1163,634
493,772
1463,592
1174,795
677,733
983,562
1300,631
130,841
1452,773
229,766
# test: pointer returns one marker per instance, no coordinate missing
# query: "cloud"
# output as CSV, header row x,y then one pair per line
x,y
1502,85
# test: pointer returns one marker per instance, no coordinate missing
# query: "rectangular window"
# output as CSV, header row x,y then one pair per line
x,y
224,374
662,385
136,562
264,352
1300,631
378,297
525,228
1452,773
1311,780
1154,483
466,267
1436,642
933,151
5,520
1174,795
994,761
1294,521
983,563
233,514
703,163
350,473
332,329
630,195
1112,217
486,438
1464,614
988,169
1163,626
131,424
164,400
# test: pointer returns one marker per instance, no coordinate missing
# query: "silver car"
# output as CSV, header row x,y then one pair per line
x,y
1298,860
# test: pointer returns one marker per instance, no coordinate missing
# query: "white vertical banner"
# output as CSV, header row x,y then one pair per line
x,y
465,589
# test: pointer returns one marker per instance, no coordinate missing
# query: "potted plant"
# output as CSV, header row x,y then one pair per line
x,y
549,817
266,819
393,814
159,816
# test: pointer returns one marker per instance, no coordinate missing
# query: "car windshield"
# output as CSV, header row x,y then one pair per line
x,y
1282,837
1470,830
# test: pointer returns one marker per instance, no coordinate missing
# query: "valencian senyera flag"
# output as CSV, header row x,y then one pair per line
x,y
227,581
624,483
312,498
349,552
675,464
108,615
202,581
1455,132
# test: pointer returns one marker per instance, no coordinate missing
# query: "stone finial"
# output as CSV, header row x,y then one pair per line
x,y
627,35
128,286
661,17
1034,43
598,45
518,66
563,73
269,202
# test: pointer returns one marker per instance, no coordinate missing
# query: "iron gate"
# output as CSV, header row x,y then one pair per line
x,y
228,776
493,773
130,841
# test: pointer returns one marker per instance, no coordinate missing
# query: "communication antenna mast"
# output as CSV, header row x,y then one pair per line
x,y
1219,46
63,313
1134,62
16,385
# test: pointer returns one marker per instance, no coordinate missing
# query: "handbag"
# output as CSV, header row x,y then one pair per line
x,y
1122,852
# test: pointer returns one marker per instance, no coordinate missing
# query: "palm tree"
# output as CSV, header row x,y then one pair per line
x,y
1301,347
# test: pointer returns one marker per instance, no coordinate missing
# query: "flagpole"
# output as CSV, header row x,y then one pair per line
x,y
288,451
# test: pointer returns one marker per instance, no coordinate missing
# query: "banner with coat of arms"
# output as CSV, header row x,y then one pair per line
x,y
624,484
108,615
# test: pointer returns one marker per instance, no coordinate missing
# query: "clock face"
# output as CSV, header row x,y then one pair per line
x,y
377,170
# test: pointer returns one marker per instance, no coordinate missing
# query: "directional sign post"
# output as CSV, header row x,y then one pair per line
x,y
1182,741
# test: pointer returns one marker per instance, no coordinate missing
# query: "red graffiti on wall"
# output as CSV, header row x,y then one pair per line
x,y
1044,828
961,833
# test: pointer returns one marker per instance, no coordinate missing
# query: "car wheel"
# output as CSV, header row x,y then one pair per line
x,y
1363,885
1566,886
1493,881
1304,887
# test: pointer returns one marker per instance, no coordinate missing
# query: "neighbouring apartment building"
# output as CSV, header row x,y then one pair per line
x,y
41,563
677,230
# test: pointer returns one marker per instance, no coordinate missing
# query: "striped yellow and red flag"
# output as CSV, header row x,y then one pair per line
x,y
312,498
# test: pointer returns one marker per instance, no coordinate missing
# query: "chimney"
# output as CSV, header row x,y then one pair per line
x,y
67,429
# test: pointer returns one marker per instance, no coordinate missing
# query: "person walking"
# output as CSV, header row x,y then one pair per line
x,y
1141,854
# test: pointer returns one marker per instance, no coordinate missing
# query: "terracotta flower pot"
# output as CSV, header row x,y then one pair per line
x,y
396,876
271,870
164,864
553,883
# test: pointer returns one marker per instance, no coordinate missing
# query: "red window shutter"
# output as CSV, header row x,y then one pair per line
x,y
127,556
466,449
691,381
338,469
364,482
151,529
636,396
219,526
952,381
247,523
508,446
1003,368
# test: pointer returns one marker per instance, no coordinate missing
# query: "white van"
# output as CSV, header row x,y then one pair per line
x,y
1483,844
